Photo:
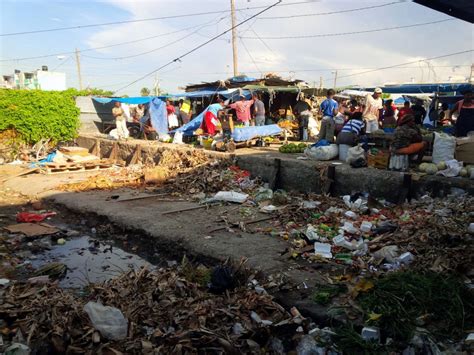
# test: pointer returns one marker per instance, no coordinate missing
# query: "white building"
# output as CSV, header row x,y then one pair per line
x,y
40,79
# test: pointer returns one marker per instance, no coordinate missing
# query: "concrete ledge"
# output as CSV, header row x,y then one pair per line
x,y
301,175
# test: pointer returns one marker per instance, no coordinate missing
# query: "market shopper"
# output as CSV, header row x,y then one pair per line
x,y
172,118
210,122
302,110
372,107
242,109
329,108
120,121
407,139
419,112
405,110
259,108
352,130
465,112
183,112
388,115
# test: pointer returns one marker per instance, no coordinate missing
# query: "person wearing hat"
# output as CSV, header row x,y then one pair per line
x,y
372,106
465,111
242,109
407,139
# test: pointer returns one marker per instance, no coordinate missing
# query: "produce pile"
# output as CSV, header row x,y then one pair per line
x,y
432,169
293,148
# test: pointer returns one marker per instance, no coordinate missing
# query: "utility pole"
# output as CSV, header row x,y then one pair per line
x,y
234,37
78,63
472,73
320,85
335,79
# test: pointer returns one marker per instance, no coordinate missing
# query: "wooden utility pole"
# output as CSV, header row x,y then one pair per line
x,y
234,37
78,63
335,79
320,85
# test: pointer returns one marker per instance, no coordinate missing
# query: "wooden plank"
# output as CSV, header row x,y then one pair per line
x,y
186,209
141,197
263,219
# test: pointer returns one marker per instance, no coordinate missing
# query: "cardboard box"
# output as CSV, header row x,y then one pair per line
x,y
465,150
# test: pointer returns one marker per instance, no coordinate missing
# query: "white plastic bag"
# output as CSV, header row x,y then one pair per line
x,y
453,168
355,153
173,120
178,138
109,321
444,147
327,152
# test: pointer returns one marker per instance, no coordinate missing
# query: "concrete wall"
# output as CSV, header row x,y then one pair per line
x,y
304,175
93,114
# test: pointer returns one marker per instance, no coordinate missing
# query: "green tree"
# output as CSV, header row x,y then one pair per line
x,y
145,92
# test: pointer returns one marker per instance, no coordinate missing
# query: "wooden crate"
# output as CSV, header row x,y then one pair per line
x,y
379,161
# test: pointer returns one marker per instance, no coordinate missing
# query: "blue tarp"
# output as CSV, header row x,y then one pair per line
x,y
245,133
189,128
425,88
159,117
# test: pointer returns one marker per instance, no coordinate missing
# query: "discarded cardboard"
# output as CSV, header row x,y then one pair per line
x,y
32,229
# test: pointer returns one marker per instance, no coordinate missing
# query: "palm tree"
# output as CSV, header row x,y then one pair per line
x,y
145,92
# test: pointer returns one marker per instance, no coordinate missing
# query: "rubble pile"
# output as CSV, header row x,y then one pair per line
x,y
164,311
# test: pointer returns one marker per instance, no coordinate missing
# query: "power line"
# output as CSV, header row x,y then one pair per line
x,y
103,47
353,33
200,46
331,12
406,63
142,20
158,48
249,54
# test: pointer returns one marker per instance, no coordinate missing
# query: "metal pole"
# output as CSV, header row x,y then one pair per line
x,y
78,63
335,79
234,37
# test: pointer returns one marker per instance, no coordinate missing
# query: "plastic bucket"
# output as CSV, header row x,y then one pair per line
x,y
343,149
207,143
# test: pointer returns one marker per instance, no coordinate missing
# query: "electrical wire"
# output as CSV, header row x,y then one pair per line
x,y
402,64
331,12
178,59
143,20
103,47
355,32
60,64
158,48
250,55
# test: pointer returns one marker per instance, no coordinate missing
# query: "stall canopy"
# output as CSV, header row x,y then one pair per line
x,y
461,9
125,100
456,88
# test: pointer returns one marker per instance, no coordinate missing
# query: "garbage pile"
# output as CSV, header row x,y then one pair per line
x,y
426,234
141,312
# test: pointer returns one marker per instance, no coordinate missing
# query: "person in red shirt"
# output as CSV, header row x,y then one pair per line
x,y
405,110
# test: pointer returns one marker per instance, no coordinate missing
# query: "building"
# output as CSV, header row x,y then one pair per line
x,y
40,79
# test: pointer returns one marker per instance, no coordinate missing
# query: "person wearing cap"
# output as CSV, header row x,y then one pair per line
x,y
407,139
465,111
242,109
372,106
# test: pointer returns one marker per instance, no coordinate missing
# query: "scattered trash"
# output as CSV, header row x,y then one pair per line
x,y
389,253
309,346
370,334
33,217
268,209
406,258
222,279
312,233
309,205
61,241
109,321
366,226
350,214
17,349
264,195
323,250
230,196
32,229
4,282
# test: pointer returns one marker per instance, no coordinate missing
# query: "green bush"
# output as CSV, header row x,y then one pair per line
x,y
37,114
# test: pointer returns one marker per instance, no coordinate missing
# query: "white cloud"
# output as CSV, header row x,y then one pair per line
x,y
371,50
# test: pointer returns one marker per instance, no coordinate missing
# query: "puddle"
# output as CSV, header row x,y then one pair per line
x,y
89,260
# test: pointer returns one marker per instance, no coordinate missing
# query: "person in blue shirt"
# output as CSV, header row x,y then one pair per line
x,y
329,109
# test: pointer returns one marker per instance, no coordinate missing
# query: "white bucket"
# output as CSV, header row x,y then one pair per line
x,y
343,149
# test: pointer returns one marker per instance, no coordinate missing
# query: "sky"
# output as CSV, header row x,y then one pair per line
x,y
304,46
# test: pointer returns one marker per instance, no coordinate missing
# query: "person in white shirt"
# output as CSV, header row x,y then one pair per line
x,y
372,106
